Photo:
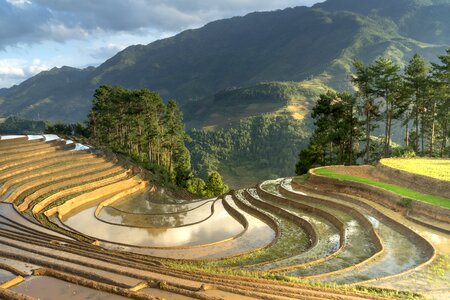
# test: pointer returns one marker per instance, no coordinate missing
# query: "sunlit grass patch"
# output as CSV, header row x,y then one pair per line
x,y
432,167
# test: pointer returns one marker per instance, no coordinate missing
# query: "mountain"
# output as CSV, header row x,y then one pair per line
x,y
293,44
227,107
57,94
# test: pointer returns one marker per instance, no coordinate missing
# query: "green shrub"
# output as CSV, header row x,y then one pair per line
x,y
403,152
196,186
406,202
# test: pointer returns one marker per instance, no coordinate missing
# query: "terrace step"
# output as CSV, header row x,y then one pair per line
x,y
362,242
71,186
19,164
57,147
44,180
60,157
45,170
29,144
432,224
414,249
15,142
291,239
30,148
331,235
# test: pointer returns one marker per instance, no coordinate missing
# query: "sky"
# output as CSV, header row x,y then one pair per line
x,y
37,35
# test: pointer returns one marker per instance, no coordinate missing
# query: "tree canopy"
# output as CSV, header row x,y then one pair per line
x,y
139,124
418,96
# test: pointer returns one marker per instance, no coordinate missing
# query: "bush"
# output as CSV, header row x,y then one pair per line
x,y
406,203
407,152
215,185
196,186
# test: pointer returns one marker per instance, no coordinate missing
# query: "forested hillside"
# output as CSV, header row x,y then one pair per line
x,y
227,107
140,125
257,147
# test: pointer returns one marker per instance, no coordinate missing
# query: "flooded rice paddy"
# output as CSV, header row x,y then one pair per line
x,y
358,244
218,227
5,276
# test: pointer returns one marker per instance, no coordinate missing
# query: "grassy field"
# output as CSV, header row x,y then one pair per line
x,y
405,192
432,167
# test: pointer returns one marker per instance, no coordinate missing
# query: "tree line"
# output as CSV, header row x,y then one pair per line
x,y
139,124
16,124
417,97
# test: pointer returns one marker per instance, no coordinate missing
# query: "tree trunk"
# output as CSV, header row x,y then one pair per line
x,y
422,136
331,153
386,130
367,159
350,152
444,136
406,135
433,127
417,125
388,146
170,160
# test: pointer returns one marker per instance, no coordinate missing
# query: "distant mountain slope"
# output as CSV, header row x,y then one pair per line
x,y
58,94
293,44
228,106
424,20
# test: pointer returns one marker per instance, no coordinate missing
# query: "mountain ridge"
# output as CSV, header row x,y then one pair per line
x,y
292,44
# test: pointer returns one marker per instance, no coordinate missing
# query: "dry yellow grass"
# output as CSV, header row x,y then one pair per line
x,y
431,167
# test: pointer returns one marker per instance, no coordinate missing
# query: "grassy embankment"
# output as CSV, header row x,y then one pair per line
x,y
405,192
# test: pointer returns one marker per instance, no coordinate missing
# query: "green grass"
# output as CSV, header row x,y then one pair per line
x,y
405,192
431,167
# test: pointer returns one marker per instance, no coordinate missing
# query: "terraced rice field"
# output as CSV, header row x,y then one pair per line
x,y
432,167
88,227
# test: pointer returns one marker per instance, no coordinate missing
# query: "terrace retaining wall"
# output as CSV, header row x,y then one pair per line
x,y
79,201
421,183
302,223
384,197
88,186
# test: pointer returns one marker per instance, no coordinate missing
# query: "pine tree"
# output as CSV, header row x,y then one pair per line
x,y
386,82
441,77
363,80
416,77
215,185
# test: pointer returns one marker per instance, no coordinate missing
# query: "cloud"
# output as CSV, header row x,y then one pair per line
x,y
105,51
34,21
18,2
12,70
35,67
86,32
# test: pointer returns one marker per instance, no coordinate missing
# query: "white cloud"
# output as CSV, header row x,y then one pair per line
x,y
61,32
18,2
12,67
36,67
48,33
13,70
105,51
30,22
